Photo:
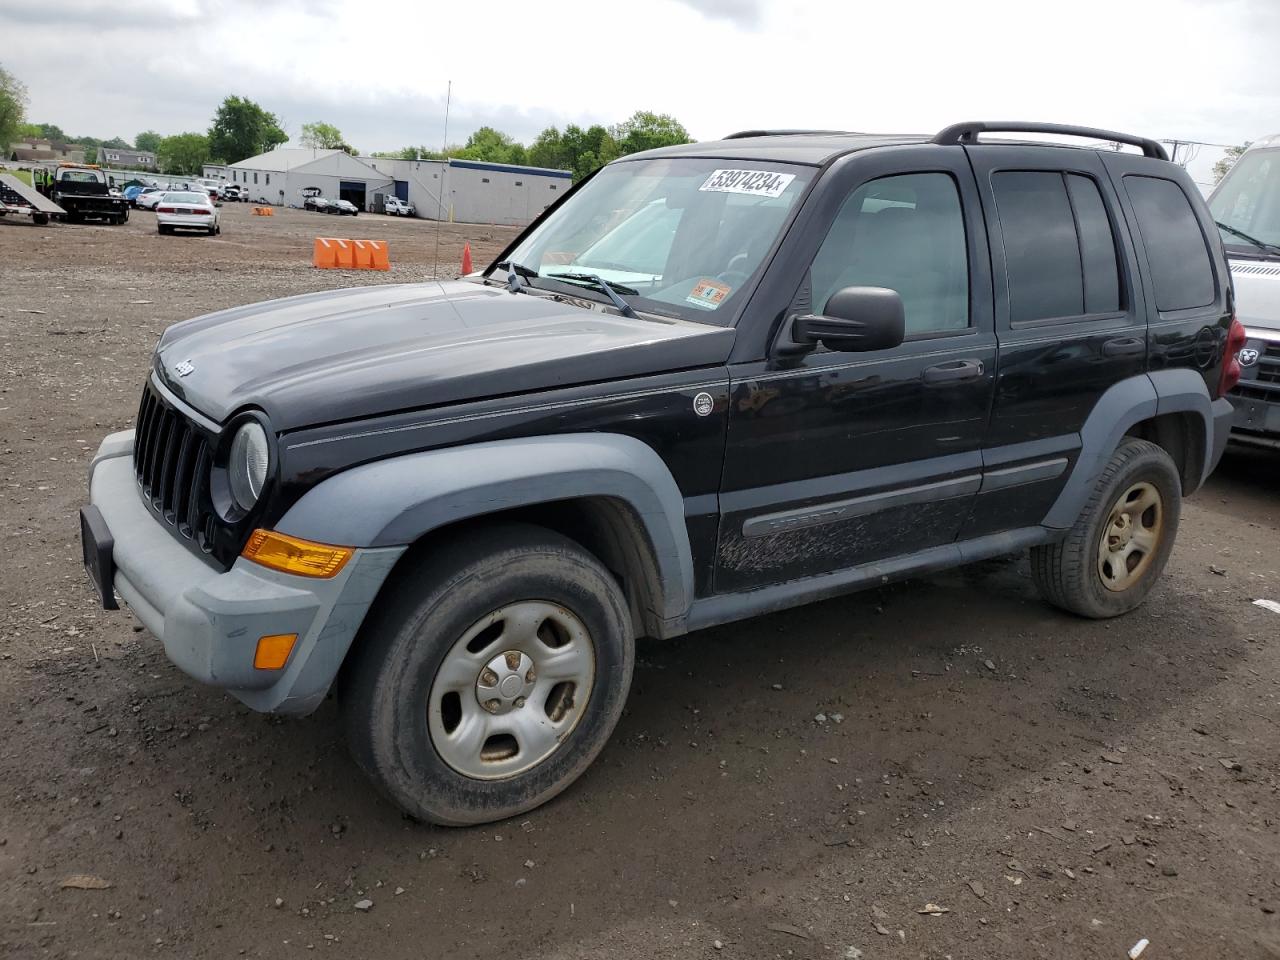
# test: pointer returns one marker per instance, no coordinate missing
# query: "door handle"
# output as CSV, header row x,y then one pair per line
x,y
954,370
1123,346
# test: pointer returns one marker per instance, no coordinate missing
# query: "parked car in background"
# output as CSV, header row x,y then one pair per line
x,y
131,193
149,197
318,204
233,192
190,210
342,208
395,207
1246,209
211,187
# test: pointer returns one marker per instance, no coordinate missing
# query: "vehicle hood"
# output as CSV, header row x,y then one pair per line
x,y
347,354
1257,288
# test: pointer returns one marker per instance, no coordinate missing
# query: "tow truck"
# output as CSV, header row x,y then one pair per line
x,y
16,198
82,191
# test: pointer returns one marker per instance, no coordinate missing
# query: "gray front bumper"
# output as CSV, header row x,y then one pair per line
x,y
210,620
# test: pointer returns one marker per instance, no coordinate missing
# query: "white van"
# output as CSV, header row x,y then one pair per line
x,y
1246,206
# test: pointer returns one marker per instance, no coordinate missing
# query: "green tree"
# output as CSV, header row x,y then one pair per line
x,y
547,150
120,143
51,131
243,129
585,151
13,107
28,131
1227,162
646,130
322,136
183,153
90,152
148,141
492,146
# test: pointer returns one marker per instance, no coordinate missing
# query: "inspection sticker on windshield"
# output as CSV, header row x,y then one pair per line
x,y
708,294
757,183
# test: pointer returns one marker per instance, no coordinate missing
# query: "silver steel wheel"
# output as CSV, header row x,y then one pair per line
x,y
1130,537
511,690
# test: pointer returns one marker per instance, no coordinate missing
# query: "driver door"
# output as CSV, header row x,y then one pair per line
x,y
840,459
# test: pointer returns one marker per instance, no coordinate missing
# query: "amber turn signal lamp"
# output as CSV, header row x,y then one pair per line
x,y
294,555
273,651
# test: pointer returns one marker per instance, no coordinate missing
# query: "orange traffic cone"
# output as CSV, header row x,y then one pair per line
x,y
466,258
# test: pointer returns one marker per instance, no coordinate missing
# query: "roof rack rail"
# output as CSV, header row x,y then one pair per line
x,y
967,133
743,134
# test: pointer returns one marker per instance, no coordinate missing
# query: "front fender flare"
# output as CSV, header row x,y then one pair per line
x,y
393,502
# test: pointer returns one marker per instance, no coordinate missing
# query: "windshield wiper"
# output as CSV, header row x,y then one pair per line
x,y
518,275
1260,244
610,290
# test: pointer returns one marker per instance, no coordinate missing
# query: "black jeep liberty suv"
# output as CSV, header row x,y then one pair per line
x,y
712,381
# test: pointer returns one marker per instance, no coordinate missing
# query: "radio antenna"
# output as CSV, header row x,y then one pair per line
x,y
444,170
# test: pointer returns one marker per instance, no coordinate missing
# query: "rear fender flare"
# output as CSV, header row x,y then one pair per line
x,y
1123,405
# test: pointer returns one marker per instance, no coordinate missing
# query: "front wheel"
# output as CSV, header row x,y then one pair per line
x,y
1120,543
490,677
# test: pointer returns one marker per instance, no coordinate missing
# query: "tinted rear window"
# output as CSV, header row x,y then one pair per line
x,y
1097,246
1041,252
1180,265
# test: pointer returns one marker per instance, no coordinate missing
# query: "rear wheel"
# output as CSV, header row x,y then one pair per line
x,y
1119,545
490,678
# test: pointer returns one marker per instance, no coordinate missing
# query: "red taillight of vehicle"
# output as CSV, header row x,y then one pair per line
x,y
1236,338
166,210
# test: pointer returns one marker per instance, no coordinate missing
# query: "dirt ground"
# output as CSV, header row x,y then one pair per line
x,y
796,786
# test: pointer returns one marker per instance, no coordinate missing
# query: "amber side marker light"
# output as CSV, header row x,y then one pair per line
x,y
294,555
273,651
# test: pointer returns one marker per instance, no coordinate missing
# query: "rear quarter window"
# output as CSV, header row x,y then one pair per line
x,y
1181,270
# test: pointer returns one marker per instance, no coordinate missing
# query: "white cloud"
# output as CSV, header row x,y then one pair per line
x,y
1195,69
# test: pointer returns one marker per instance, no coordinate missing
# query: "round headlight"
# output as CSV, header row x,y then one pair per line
x,y
247,465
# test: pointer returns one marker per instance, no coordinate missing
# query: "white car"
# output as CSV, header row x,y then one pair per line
x,y
211,187
149,197
395,207
187,211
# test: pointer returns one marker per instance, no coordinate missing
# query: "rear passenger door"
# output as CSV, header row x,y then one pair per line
x,y
1070,320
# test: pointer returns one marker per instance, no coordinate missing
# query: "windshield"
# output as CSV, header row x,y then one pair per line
x,y
682,237
185,198
1248,199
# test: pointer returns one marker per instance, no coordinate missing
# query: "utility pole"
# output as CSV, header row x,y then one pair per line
x,y
1174,145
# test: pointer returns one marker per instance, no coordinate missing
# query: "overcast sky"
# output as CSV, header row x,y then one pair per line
x,y
1191,69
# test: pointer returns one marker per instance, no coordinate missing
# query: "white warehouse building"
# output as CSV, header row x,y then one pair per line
x,y
287,175
473,191
466,191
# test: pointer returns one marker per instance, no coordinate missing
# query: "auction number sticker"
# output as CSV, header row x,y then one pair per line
x,y
708,294
757,183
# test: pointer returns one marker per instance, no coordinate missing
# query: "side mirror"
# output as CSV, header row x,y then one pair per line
x,y
855,319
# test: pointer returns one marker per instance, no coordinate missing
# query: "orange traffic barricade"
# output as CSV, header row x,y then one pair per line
x,y
370,255
331,254
263,212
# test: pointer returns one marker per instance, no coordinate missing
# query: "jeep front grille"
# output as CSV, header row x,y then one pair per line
x,y
171,458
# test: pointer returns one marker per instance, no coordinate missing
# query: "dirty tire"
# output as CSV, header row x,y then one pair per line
x,y
385,690
1067,573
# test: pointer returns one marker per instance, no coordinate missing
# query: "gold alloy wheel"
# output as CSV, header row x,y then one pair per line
x,y
1131,537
